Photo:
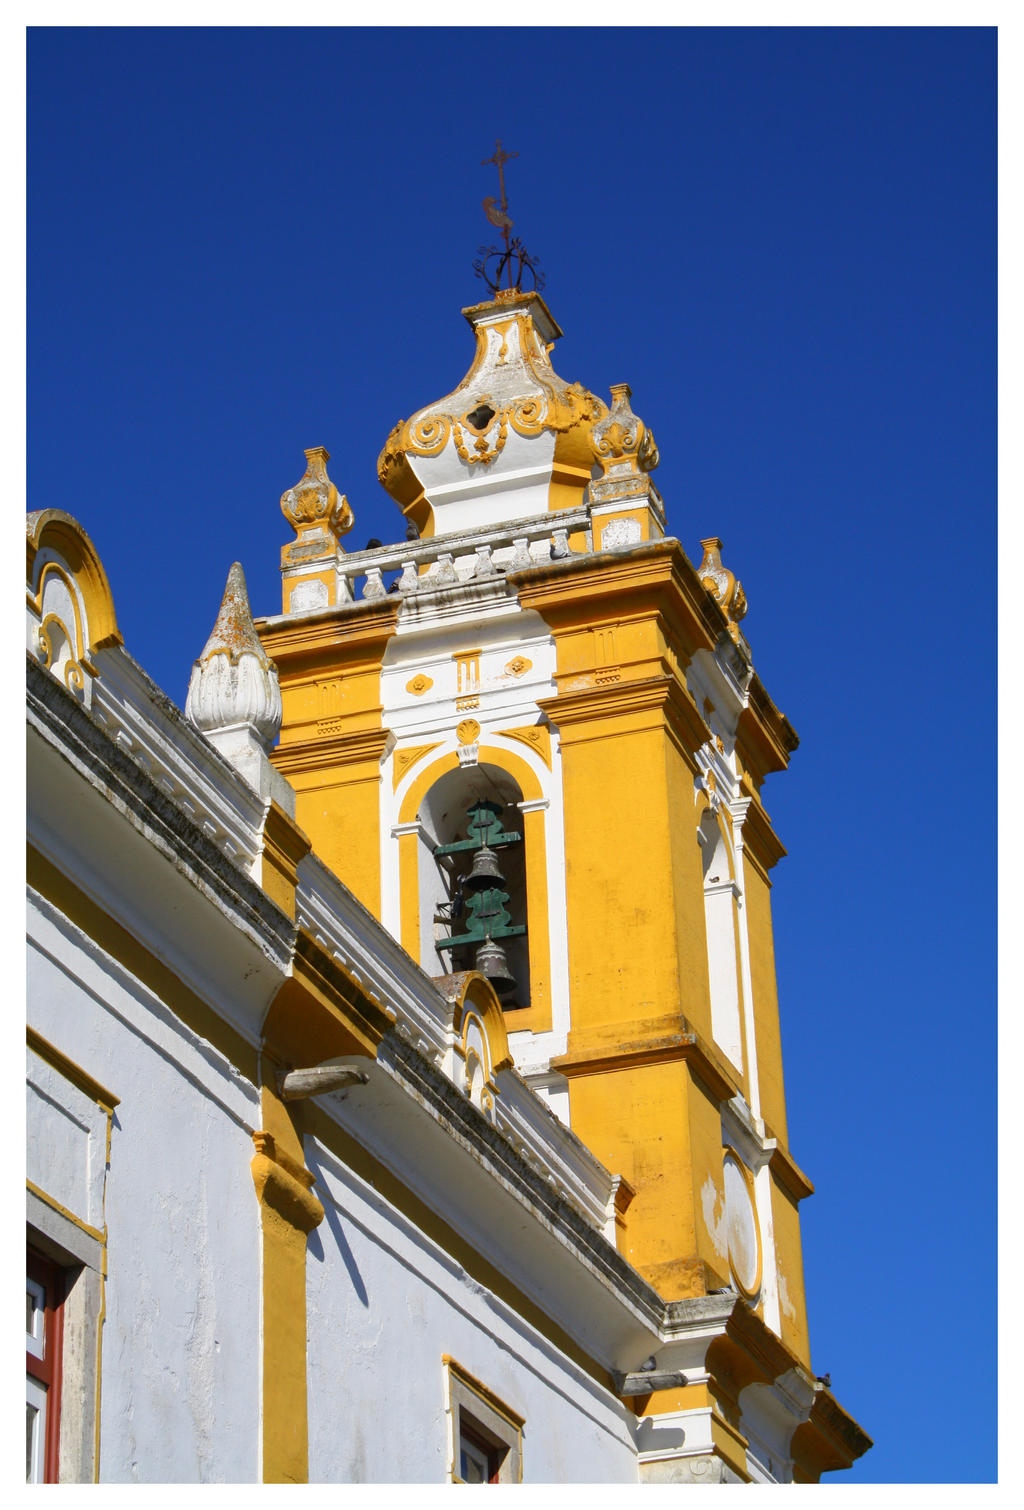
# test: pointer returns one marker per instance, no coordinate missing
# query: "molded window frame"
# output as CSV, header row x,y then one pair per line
x,y
478,1417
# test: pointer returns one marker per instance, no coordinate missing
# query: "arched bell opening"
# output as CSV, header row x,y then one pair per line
x,y
720,893
473,906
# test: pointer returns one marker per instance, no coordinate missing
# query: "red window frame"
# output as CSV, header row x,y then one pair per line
x,y
47,1369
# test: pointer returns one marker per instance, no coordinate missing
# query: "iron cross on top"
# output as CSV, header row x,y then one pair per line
x,y
500,158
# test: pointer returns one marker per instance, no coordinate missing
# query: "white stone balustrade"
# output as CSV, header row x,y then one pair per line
x,y
428,565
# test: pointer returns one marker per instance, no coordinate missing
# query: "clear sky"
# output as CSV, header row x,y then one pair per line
x,y
243,243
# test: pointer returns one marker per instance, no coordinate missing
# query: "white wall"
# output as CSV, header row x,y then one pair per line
x,y
384,1305
180,1345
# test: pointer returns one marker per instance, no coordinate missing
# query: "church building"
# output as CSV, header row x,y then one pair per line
x,y
405,1090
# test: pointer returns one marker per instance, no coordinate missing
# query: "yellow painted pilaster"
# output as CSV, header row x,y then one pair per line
x,y
332,737
289,1211
284,845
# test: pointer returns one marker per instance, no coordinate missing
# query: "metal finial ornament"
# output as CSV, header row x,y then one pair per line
x,y
503,269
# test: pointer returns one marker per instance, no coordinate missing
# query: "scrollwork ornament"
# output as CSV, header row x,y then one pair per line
x,y
620,440
314,500
484,455
427,435
529,414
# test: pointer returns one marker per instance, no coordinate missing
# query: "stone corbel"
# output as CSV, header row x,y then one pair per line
x,y
283,1185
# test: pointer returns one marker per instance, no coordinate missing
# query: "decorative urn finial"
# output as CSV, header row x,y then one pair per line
x,y
313,504
621,442
721,583
234,684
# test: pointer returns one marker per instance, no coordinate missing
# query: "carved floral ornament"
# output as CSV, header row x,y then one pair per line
x,y
621,442
721,583
314,500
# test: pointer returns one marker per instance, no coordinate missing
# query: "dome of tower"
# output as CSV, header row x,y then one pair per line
x,y
510,442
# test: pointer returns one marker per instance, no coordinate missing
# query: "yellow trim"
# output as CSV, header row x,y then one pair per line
x,y
537,1016
288,1213
730,1445
102,1316
487,1395
52,1056
403,760
284,846
90,1231
59,532
536,737
409,893
477,999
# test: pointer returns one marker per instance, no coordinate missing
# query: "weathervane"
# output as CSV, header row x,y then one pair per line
x,y
515,259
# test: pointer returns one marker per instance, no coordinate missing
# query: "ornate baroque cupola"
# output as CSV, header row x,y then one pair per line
x,y
512,440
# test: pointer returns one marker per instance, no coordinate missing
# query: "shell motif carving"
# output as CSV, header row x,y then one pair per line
x,y
314,500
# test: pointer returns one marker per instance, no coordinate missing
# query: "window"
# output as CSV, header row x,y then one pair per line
x,y
473,881
44,1317
479,1461
486,1435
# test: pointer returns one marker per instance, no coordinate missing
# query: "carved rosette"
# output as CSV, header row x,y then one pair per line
x,y
721,583
234,682
314,502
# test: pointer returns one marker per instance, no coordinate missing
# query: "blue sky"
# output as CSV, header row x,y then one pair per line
x,y
242,243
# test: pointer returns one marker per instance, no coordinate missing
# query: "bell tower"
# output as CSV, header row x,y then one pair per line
x,y
531,739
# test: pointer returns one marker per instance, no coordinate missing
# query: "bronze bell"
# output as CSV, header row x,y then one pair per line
x,y
491,961
484,874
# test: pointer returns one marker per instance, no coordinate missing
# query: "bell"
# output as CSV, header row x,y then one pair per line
x,y
485,873
491,961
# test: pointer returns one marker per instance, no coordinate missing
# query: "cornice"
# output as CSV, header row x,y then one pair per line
x,y
321,1011
585,588
595,1054
789,1175
572,710
759,837
765,736
76,736
840,1435
320,639
361,747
